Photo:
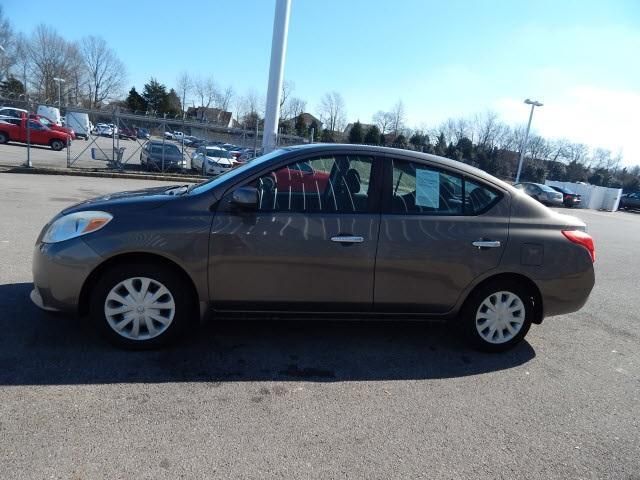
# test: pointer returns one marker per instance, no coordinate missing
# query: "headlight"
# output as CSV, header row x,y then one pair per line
x,y
75,225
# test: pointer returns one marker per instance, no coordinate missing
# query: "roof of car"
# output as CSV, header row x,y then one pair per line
x,y
371,149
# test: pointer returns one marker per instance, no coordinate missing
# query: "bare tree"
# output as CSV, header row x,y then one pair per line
x,y
575,152
287,89
104,71
206,91
8,42
184,86
48,59
383,120
224,98
487,128
332,111
397,117
294,108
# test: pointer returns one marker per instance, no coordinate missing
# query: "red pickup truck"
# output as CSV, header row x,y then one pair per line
x,y
15,130
52,125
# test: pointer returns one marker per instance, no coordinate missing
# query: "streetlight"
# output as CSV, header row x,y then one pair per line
x,y
59,81
533,104
276,72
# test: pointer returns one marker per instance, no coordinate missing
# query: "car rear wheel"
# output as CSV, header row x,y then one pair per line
x,y
140,306
497,316
3,138
57,145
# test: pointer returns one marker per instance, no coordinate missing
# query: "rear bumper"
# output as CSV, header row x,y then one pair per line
x,y
567,294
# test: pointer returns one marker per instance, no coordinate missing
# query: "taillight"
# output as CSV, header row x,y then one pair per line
x,y
582,238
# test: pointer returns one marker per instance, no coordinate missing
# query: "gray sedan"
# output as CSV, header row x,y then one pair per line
x,y
542,193
338,231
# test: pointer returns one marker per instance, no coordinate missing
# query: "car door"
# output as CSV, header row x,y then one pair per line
x,y
38,133
439,231
302,249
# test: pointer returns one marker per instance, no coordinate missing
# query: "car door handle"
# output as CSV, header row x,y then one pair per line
x,y
347,239
486,244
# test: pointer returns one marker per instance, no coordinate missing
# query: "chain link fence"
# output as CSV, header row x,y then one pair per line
x,y
115,139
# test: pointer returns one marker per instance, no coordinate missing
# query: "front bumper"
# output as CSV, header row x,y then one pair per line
x,y
59,273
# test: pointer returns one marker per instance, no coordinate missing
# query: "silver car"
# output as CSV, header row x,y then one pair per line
x,y
340,231
542,193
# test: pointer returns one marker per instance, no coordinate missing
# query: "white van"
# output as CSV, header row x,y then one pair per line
x,y
52,113
79,123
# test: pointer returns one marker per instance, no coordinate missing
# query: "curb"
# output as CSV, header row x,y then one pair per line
x,y
98,173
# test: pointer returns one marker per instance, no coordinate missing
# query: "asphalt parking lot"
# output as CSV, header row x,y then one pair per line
x,y
317,399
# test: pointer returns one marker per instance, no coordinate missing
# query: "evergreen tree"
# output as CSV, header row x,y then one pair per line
x,y
441,145
155,95
172,105
401,141
135,101
356,135
327,136
373,136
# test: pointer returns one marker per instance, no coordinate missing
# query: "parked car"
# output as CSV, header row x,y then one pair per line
x,y
393,234
156,155
178,135
168,135
11,112
128,133
79,122
103,130
217,160
570,198
629,201
143,133
15,130
542,193
53,126
52,113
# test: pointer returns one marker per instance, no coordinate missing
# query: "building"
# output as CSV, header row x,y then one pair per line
x,y
212,115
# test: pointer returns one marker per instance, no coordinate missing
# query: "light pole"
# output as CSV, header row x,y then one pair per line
x,y
276,72
523,148
59,81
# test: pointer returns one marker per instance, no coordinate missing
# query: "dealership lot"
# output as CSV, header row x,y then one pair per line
x,y
325,399
80,155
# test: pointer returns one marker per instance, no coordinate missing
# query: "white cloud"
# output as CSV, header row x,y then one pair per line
x,y
598,117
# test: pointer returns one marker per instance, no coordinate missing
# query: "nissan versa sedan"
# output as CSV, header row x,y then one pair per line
x,y
336,231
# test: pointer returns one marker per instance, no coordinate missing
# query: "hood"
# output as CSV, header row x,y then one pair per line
x,y
145,199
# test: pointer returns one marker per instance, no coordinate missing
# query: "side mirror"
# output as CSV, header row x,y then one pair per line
x,y
245,197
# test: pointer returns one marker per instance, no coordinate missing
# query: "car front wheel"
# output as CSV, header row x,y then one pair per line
x,y
497,316
140,305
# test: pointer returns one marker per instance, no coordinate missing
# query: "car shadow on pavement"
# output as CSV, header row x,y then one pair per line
x,y
37,348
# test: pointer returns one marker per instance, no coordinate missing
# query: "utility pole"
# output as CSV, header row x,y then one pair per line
x,y
276,73
523,148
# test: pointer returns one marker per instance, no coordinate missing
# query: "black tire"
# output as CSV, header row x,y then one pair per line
x,y
56,145
474,303
4,138
173,281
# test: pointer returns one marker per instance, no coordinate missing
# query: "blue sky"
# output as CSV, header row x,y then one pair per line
x,y
443,59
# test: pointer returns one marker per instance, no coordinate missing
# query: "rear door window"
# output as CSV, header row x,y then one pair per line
x,y
424,190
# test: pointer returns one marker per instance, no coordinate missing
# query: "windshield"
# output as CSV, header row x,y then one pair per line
x,y
547,188
227,176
